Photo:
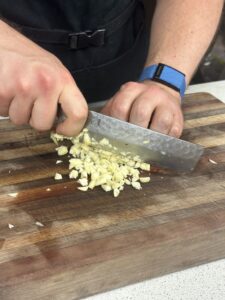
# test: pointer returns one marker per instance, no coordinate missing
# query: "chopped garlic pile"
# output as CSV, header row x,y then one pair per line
x,y
96,163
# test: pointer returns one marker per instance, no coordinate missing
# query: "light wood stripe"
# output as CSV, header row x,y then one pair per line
x,y
23,135
203,108
211,120
210,141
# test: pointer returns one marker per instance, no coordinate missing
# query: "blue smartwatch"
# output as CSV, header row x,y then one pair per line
x,y
165,75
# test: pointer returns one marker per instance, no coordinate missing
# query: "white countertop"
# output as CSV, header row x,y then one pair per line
x,y
206,282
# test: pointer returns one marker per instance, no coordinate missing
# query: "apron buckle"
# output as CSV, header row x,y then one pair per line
x,y
87,39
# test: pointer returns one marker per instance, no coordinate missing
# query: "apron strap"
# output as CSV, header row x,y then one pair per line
x,y
80,40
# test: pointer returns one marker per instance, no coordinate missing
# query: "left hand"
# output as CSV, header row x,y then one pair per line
x,y
148,104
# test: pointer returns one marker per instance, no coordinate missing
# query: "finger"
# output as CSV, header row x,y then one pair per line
x,y
142,110
75,109
6,97
20,110
4,109
119,107
43,113
106,108
177,126
162,119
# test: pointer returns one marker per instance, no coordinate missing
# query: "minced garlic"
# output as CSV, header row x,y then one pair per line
x,y
83,188
144,179
136,185
62,150
93,165
73,174
58,176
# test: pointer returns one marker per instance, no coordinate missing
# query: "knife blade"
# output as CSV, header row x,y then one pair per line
x,y
159,149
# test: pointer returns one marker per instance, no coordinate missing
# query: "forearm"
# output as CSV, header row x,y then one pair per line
x,y
182,31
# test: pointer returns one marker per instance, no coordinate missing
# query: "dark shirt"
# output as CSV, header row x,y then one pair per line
x,y
61,14
98,71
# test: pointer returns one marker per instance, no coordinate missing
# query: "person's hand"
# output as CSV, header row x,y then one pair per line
x,y
33,83
148,104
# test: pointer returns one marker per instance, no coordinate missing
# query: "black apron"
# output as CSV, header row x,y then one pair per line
x,y
102,43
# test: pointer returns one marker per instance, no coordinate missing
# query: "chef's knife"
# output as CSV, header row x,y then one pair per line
x,y
161,150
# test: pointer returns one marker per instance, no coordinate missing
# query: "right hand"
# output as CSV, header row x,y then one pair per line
x,y
33,83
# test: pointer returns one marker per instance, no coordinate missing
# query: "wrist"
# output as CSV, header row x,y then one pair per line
x,y
178,64
166,75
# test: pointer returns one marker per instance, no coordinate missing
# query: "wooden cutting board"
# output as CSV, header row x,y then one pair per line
x,y
92,242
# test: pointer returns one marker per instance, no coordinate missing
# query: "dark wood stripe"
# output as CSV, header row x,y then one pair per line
x,y
30,151
208,112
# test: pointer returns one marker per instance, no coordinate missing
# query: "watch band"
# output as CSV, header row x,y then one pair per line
x,y
166,75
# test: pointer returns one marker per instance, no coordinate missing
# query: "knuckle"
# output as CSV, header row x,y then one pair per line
x,y
166,121
74,115
130,85
176,131
142,113
82,114
40,126
24,87
153,89
13,119
46,81
118,108
16,119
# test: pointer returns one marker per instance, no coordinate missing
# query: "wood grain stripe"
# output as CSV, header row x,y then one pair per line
x,y
210,141
96,271
58,228
27,151
202,108
37,174
205,121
